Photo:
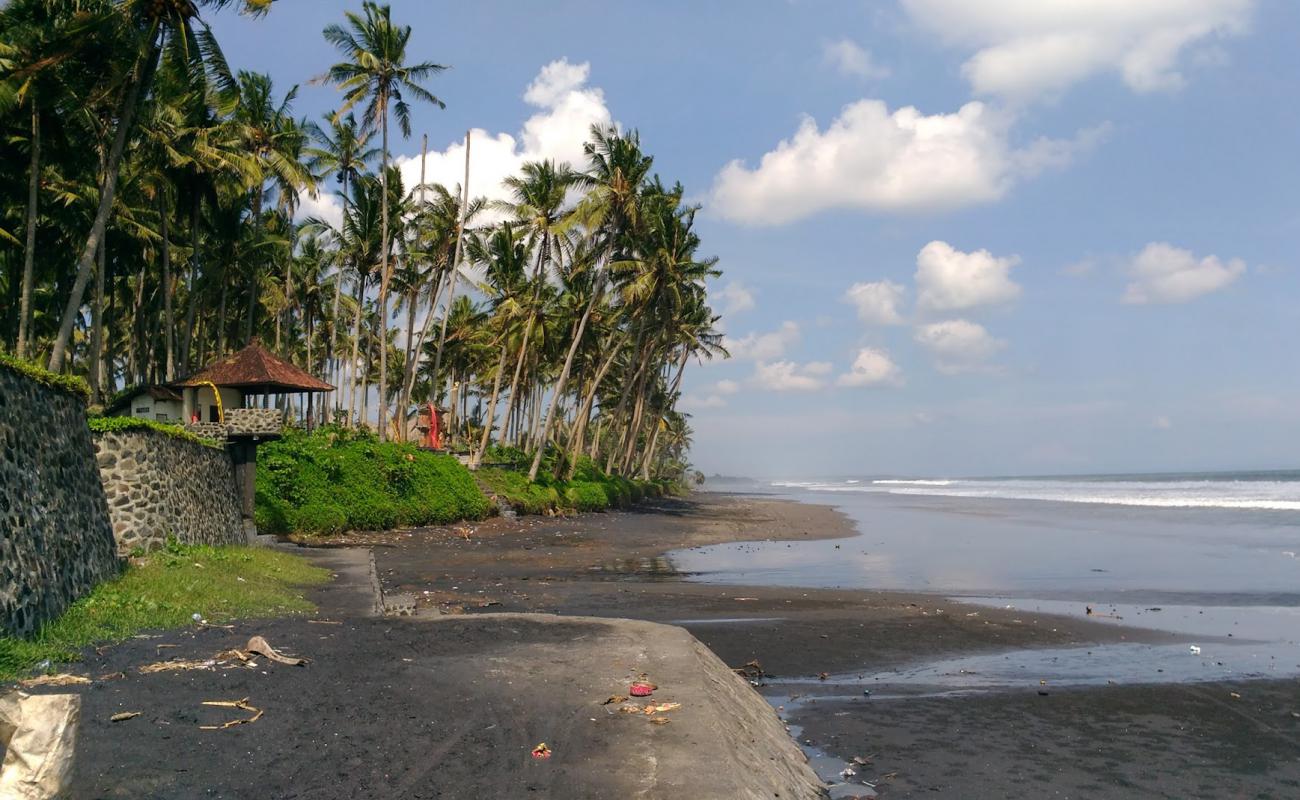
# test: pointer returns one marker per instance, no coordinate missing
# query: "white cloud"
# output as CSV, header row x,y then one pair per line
x,y
736,297
691,401
1163,273
948,279
875,160
726,387
787,376
324,205
872,367
850,58
763,346
1028,48
877,303
567,108
1162,423
958,345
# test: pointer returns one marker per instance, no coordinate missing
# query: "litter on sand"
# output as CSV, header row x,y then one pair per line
x,y
641,689
123,716
750,669
541,751
614,698
660,721
262,647
62,679
242,705
38,734
1194,650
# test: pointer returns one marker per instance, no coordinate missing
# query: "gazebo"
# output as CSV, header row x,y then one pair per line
x,y
226,385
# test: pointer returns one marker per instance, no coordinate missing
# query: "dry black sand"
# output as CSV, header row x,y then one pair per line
x,y
371,727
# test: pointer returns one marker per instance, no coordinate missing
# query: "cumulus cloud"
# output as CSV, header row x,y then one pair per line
x,y
566,109
763,346
692,401
736,297
948,279
852,59
958,345
324,206
1162,273
877,303
873,159
872,367
787,376
1028,49
726,387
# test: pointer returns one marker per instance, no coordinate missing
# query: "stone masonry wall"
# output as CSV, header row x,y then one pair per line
x,y
159,486
55,539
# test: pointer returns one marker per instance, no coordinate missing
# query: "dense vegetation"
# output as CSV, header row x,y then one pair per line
x,y
164,591
149,224
333,480
588,490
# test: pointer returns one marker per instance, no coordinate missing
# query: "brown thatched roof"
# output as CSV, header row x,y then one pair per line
x,y
255,370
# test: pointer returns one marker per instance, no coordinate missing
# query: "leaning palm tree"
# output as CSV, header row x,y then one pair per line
x,y
375,73
151,27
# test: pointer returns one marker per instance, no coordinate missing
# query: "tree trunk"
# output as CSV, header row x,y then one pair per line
x,y
250,317
353,403
584,413
477,458
191,302
97,382
29,253
382,400
455,266
169,321
126,116
560,383
654,436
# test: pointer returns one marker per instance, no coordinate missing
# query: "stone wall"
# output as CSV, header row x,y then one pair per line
x,y
56,542
159,486
254,421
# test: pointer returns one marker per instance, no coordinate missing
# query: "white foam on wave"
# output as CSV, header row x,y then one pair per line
x,y
1221,494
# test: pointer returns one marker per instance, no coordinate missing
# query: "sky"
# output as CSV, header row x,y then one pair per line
x,y
1007,237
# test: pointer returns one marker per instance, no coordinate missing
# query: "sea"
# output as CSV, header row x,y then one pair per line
x,y
1212,557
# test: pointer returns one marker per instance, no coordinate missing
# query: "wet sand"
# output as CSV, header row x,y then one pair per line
x,y
1179,740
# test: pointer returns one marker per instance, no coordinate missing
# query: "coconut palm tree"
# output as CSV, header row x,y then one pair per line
x,y
375,74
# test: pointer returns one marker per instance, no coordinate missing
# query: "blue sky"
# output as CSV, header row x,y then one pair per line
x,y
1076,252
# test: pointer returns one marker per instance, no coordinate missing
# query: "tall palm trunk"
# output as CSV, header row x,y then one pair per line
x,y
98,383
477,457
169,321
187,341
455,265
125,118
334,340
560,383
584,412
654,435
528,329
29,253
249,319
356,344
383,266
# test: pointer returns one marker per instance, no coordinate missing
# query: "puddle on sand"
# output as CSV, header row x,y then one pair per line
x,y
699,623
642,569
839,786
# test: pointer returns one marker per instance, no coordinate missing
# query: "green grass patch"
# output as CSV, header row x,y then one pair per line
x,y
69,384
333,480
163,591
100,424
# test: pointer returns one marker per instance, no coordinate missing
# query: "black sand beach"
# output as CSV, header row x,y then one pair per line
x,y
1193,740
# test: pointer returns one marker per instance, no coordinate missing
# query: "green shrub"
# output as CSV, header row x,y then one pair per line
x,y
325,518
310,479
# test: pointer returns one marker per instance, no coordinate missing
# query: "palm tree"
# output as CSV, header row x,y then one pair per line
x,y
150,26
376,74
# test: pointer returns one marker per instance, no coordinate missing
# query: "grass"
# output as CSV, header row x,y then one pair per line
x,y
162,591
100,424
69,384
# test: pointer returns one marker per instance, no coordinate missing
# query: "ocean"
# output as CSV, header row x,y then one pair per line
x,y
1208,556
